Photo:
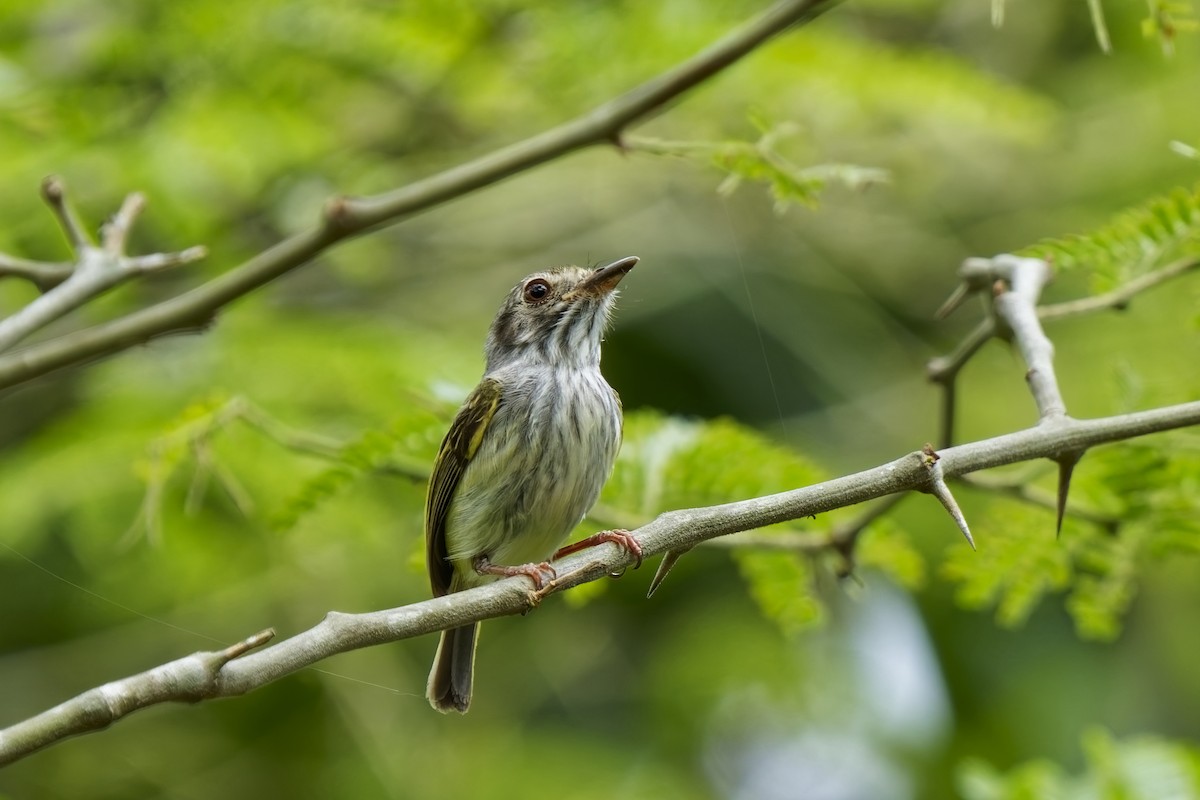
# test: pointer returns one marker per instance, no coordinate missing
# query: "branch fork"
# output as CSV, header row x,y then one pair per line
x,y
95,269
1016,287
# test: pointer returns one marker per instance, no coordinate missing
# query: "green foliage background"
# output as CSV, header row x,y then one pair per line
x,y
152,504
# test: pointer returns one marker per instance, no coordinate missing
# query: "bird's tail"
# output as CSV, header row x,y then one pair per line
x,y
449,686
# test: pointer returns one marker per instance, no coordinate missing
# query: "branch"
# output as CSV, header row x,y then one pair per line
x,y
1023,491
345,217
1016,309
1120,297
96,269
944,370
42,274
206,676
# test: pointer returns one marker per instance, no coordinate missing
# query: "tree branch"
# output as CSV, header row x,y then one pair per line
x,y
1016,308
1120,297
96,269
42,274
205,676
944,370
346,217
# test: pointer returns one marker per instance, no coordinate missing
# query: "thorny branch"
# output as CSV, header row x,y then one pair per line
x,y
203,676
237,670
944,370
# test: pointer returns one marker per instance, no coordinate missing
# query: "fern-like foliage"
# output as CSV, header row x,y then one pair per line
x,y
1137,768
763,161
1137,241
1151,490
403,447
665,463
669,463
1166,19
372,452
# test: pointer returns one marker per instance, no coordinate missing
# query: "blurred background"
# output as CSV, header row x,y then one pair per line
x,y
164,501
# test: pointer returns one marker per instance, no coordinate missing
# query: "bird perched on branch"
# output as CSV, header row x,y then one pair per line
x,y
527,454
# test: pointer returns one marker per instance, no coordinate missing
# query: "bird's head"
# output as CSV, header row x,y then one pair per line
x,y
556,316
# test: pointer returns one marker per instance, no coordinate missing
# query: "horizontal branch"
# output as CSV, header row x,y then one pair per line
x,y
194,678
347,217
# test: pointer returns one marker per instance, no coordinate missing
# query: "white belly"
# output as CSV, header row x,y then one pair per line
x,y
539,468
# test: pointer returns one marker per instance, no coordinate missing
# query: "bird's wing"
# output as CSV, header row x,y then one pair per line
x,y
458,448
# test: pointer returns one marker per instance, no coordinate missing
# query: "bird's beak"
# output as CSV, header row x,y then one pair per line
x,y
606,278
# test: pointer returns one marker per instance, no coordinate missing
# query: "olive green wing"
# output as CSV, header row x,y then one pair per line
x,y
458,448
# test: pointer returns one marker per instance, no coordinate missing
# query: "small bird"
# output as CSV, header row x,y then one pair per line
x,y
526,455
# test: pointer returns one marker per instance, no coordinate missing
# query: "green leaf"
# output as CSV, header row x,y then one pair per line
x,y
1135,242
1137,768
781,585
888,548
1018,561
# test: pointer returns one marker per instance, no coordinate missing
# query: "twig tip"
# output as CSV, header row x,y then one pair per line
x,y
53,189
952,302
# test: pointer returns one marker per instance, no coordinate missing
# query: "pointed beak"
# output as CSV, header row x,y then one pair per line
x,y
606,278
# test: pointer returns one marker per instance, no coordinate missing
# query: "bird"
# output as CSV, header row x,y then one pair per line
x,y
526,455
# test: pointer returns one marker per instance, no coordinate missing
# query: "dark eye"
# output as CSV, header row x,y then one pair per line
x,y
537,290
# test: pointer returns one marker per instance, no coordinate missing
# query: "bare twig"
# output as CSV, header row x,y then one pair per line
x,y
44,275
97,269
1019,284
1120,297
187,680
116,232
208,675
944,370
54,192
345,217
844,537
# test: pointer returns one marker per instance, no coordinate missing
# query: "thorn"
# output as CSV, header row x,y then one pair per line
x,y
955,300
939,489
664,568
1066,466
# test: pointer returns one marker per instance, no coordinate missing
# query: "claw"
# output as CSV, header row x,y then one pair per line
x,y
540,574
622,538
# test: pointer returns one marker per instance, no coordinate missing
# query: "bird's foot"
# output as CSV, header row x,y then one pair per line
x,y
540,574
621,538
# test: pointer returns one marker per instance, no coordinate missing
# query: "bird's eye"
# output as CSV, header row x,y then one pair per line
x,y
537,290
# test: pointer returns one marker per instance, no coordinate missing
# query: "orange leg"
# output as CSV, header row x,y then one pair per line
x,y
540,574
621,538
